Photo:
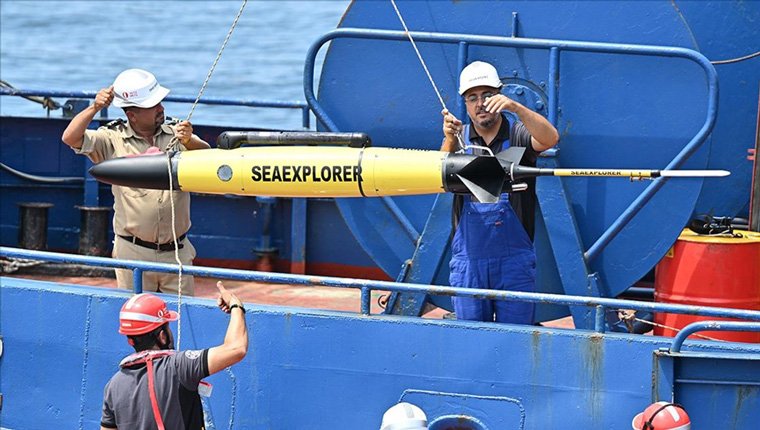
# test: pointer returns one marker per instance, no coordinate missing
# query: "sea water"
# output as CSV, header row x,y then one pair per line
x,y
83,45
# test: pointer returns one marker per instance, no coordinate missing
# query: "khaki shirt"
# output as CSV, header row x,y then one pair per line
x,y
145,214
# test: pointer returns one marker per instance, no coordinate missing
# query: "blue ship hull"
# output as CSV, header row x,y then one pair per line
x,y
326,370
628,84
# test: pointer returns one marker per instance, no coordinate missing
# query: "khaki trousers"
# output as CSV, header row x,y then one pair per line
x,y
154,281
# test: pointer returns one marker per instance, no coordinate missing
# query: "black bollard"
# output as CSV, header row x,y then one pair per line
x,y
93,230
32,229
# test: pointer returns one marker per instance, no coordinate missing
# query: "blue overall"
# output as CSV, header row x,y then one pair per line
x,y
491,250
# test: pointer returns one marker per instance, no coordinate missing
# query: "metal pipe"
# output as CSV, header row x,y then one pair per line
x,y
325,281
285,104
42,179
235,139
515,21
462,54
553,87
137,281
305,117
366,293
599,319
710,325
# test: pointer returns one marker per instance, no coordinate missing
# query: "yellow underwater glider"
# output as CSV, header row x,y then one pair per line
x,y
337,171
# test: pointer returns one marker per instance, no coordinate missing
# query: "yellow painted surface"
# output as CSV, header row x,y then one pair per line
x,y
306,171
607,173
389,171
747,237
197,171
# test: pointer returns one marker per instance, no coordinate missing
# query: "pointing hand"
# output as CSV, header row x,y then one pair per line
x,y
226,298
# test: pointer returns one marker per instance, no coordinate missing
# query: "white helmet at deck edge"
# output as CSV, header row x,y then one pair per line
x,y
404,416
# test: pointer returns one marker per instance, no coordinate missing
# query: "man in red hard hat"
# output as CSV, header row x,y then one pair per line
x,y
158,387
662,416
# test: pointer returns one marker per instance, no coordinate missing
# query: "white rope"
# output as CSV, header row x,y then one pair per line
x,y
676,329
627,315
424,66
216,60
414,45
176,253
171,146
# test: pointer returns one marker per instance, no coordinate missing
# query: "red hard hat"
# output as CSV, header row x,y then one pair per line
x,y
144,313
662,416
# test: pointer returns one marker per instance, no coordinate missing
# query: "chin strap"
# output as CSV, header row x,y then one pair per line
x,y
648,425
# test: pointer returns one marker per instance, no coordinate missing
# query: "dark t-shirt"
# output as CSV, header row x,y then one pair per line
x,y
126,398
523,202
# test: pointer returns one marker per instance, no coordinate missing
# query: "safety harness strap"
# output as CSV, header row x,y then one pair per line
x,y
153,400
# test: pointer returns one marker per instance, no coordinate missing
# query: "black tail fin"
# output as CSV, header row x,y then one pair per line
x,y
513,154
484,178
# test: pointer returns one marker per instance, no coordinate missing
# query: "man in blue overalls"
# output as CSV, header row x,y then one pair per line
x,y
493,242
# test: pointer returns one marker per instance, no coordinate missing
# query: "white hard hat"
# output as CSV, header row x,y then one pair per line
x,y
478,74
662,416
137,87
404,416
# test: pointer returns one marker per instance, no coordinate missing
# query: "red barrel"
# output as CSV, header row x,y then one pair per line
x,y
709,271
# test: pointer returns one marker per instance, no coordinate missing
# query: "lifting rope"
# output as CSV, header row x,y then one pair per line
x,y
424,66
628,316
171,146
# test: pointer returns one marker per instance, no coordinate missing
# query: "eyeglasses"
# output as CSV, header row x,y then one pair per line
x,y
473,98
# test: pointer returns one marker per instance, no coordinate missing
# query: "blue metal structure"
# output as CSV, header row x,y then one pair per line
x,y
342,370
629,85
296,228
655,103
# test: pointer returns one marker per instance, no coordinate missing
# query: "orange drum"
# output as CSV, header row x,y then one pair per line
x,y
709,271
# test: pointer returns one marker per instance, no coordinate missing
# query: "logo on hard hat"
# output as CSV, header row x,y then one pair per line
x,y
479,77
139,88
478,73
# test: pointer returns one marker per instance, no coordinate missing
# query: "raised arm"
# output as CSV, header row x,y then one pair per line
x,y
74,133
543,132
235,344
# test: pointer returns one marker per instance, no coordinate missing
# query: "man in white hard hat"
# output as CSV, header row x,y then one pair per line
x,y
492,246
142,221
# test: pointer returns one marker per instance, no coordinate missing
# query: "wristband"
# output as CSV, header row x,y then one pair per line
x,y
233,306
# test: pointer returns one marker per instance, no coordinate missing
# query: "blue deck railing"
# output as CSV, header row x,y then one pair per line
x,y
601,305
277,104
